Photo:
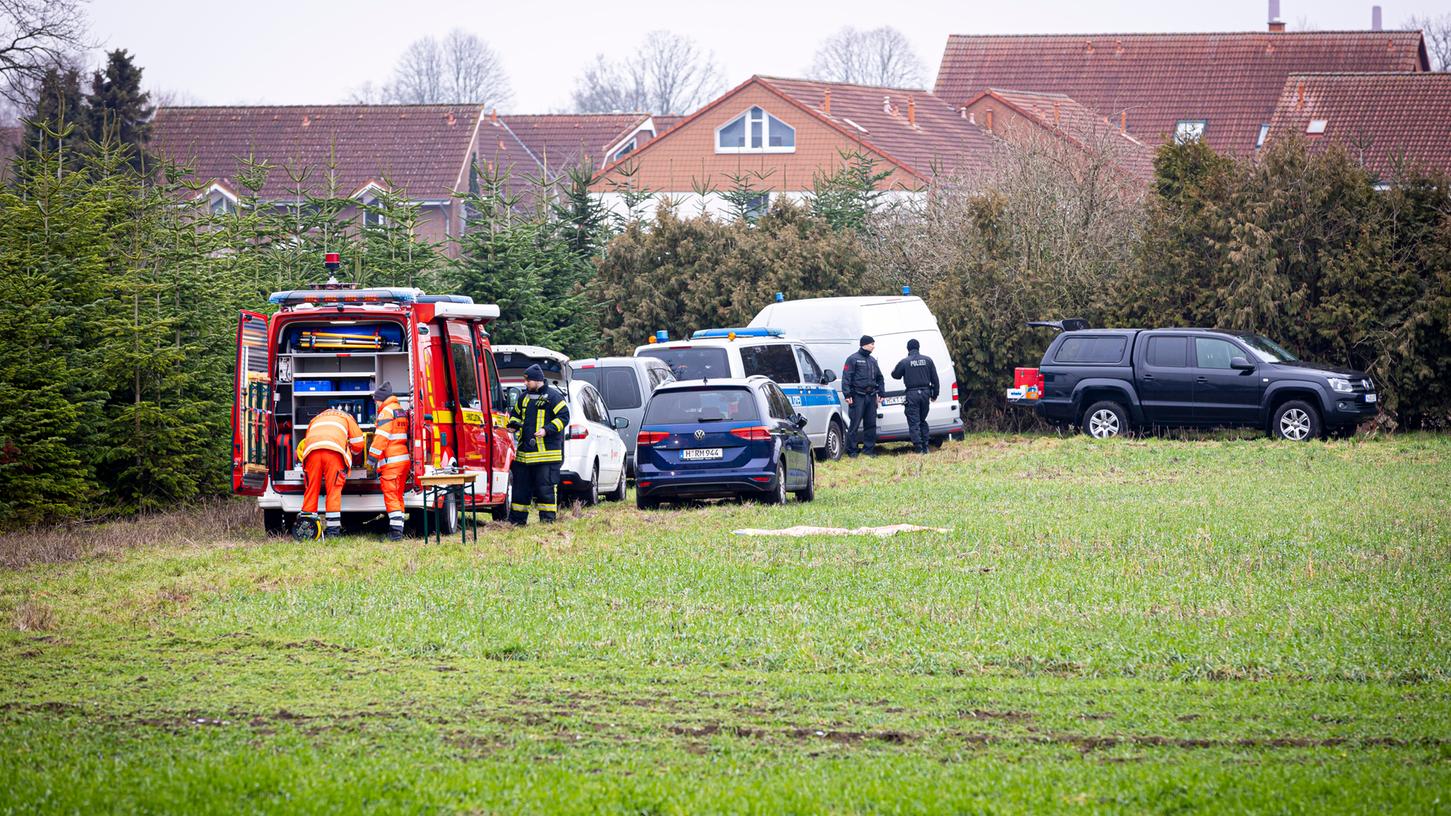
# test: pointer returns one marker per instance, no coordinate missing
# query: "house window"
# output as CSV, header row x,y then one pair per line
x,y
221,205
757,205
1317,127
1189,130
625,150
373,218
755,131
1260,139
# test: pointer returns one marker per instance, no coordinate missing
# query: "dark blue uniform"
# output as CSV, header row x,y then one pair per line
x,y
535,473
861,380
919,374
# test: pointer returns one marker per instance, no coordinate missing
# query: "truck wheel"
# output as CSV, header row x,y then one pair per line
x,y
1297,421
835,442
501,512
274,522
1105,420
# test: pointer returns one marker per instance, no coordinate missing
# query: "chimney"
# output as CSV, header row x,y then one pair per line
x,y
1055,113
1299,95
912,111
1276,24
826,102
988,119
971,117
1123,121
886,104
494,116
1375,18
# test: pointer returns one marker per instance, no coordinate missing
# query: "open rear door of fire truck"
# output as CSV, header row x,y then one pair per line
x,y
251,406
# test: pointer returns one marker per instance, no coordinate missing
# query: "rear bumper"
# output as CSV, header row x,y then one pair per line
x,y
656,485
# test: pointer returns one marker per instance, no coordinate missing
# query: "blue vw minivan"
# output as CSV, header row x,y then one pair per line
x,y
706,439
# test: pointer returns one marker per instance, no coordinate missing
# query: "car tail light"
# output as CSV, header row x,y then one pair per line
x,y
577,432
755,433
954,392
645,439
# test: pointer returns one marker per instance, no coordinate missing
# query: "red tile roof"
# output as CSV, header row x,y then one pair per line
x,y
1385,120
1088,129
939,142
1230,80
561,140
420,149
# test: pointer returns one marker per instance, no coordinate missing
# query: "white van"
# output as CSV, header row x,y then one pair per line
x,y
831,327
712,354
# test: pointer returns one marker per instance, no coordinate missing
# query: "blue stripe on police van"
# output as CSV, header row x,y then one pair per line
x,y
811,397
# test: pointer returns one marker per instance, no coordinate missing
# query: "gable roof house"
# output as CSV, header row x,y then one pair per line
x,y
1392,123
1031,120
425,153
1222,88
779,135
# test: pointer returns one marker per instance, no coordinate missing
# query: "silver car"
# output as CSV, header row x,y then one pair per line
x,y
625,383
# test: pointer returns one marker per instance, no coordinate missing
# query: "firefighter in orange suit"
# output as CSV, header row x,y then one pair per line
x,y
333,439
389,454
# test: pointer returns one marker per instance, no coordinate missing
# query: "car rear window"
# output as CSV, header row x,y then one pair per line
x,y
1090,350
698,363
701,405
618,385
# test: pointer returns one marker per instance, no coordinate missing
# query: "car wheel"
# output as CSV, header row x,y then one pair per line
x,y
618,494
1296,421
936,441
809,492
450,515
1105,420
778,488
835,442
274,522
644,503
591,495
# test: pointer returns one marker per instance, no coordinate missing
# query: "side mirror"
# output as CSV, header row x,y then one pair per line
x,y
799,421
619,423
1241,364
828,376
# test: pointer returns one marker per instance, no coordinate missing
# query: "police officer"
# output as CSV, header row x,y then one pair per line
x,y
861,382
918,373
538,420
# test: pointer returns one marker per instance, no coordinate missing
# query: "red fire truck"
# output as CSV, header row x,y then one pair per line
x,y
330,347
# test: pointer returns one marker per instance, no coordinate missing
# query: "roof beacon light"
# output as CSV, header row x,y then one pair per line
x,y
662,336
906,290
780,297
732,334
332,261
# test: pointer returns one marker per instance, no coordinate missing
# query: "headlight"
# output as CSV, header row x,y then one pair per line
x,y
1340,384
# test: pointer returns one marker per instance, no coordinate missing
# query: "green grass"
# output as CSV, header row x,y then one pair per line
x,y
1142,626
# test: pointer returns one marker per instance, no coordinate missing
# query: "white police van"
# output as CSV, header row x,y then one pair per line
x,y
712,354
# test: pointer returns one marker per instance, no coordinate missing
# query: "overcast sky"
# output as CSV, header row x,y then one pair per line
x,y
307,51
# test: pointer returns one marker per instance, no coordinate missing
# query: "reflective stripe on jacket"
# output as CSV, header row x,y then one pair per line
x,y
390,439
334,430
544,409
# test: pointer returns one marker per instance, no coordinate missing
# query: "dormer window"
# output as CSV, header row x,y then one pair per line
x,y
1317,127
1260,139
755,131
626,149
221,205
1189,130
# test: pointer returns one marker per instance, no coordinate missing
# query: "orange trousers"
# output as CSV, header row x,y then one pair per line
x,y
324,469
394,477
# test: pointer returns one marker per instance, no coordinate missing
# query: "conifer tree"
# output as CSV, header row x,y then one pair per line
x,y
117,110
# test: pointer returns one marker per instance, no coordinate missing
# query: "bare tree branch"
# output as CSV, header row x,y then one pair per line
x,y
36,35
1437,31
882,56
460,68
668,74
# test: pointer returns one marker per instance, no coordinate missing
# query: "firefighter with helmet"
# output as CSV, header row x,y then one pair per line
x,y
333,438
389,455
538,419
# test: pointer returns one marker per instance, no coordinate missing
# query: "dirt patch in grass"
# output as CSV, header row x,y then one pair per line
x,y
33,616
212,524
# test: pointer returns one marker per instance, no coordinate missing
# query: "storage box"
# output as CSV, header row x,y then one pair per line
x,y
311,385
360,384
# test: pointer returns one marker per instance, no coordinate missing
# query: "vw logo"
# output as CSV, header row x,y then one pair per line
x,y
699,434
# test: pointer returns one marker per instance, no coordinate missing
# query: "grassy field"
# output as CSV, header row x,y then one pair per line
x,y
1163,626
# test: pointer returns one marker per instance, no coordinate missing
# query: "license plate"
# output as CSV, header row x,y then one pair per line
x,y
894,400
1370,397
698,454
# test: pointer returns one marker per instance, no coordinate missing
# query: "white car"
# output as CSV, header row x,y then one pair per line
x,y
594,453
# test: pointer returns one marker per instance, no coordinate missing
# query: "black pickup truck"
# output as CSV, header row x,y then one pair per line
x,y
1110,381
